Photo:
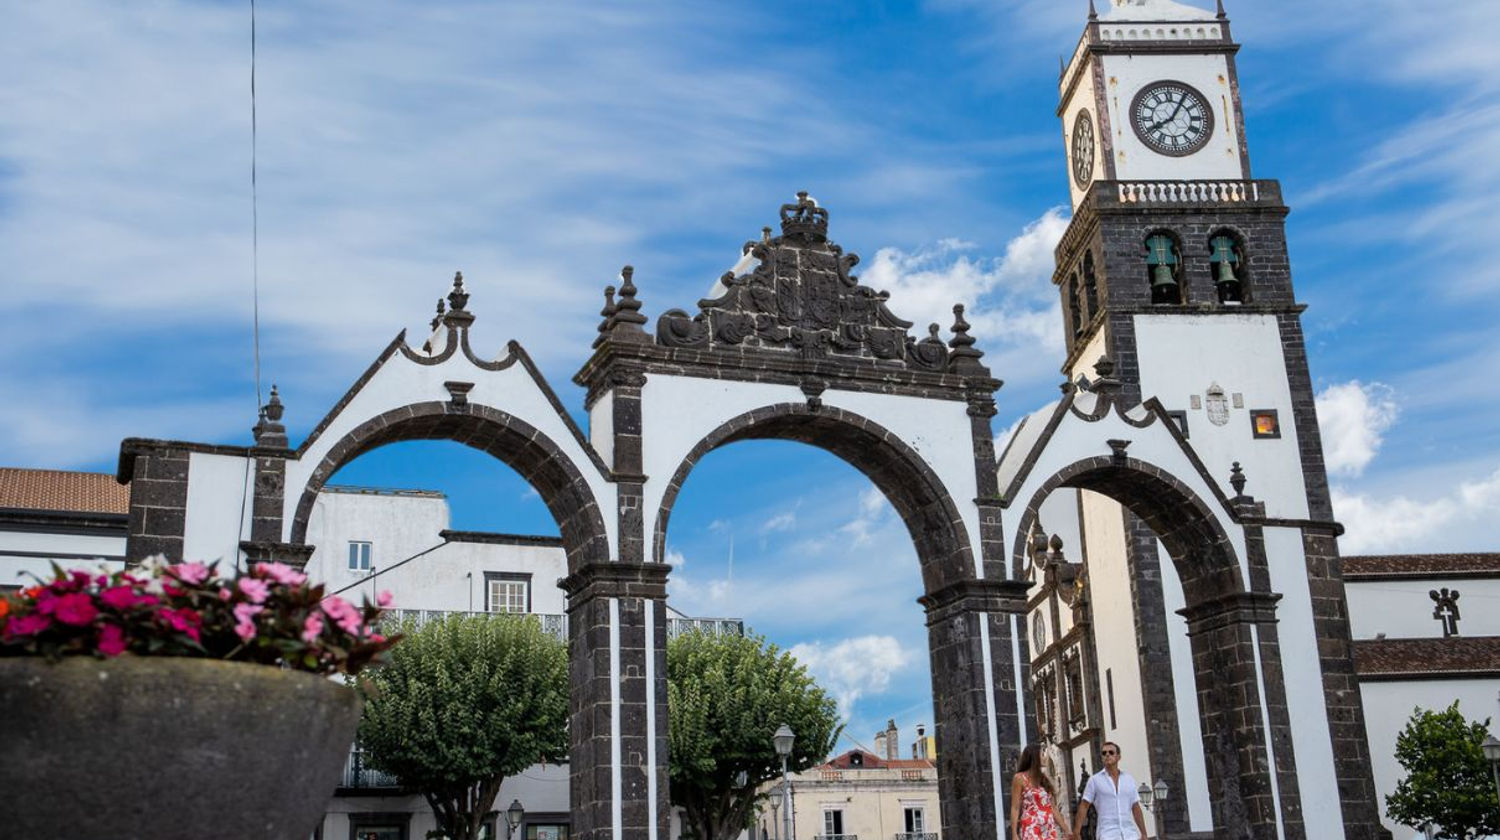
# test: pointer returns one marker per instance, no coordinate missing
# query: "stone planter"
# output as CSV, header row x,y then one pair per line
x,y
160,748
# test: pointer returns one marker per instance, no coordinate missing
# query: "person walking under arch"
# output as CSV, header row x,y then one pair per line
x,y
1033,814
1117,806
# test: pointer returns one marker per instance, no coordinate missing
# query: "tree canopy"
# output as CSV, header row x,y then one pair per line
x,y
1448,782
463,703
726,696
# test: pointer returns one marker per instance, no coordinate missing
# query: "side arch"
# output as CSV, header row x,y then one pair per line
x,y
932,517
515,442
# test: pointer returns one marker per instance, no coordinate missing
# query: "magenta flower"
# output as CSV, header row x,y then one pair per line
x,y
76,609
225,594
123,598
244,620
384,599
312,627
281,573
189,573
27,625
256,590
183,620
111,640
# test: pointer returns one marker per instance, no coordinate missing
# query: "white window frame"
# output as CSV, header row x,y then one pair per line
x,y
358,563
831,815
516,589
917,825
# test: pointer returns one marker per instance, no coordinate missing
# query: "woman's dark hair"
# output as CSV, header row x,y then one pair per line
x,y
1030,763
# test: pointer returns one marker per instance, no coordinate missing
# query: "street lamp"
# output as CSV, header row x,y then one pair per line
x,y
513,816
1491,749
783,739
1152,797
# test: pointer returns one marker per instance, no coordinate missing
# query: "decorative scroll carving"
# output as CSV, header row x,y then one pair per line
x,y
802,298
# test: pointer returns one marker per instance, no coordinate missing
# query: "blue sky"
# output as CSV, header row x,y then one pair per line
x,y
538,146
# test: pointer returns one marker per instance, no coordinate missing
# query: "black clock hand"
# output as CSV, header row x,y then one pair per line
x,y
1160,123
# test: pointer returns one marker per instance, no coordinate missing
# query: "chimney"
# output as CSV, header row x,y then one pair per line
x,y
880,744
919,747
892,741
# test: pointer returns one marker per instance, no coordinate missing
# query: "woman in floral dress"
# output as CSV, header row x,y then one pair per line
x,y
1033,815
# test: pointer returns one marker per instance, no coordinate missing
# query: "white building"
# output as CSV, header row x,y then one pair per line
x,y
72,519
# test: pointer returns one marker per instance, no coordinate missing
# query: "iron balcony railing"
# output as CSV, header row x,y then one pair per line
x,y
359,777
837,837
916,835
556,624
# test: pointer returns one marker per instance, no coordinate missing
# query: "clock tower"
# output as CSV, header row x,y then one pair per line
x,y
1174,271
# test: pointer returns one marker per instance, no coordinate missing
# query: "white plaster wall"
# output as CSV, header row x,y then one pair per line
x,y
1194,784
400,382
1303,677
1125,75
1083,98
1183,355
540,788
219,505
602,427
1090,354
70,551
1402,609
1388,706
1114,634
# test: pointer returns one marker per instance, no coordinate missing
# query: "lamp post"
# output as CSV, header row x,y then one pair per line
x,y
513,816
1152,797
775,810
783,739
1491,749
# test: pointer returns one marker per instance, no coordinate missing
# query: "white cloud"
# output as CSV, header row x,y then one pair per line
x,y
853,668
1010,301
1402,524
784,521
675,558
1353,417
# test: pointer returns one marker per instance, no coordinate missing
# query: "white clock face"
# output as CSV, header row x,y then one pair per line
x,y
1083,149
1172,118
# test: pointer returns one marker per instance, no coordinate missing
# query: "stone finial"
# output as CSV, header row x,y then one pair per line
x,y
625,320
964,356
268,430
1219,10
765,234
438,318
458,298
1106,385
1117,450
1093,12
605,314
1237,480
1055,545
1039,542
804,218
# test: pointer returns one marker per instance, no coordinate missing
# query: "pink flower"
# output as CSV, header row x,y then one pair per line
x,y
111,640
281,573
255,590
189,573
244,620
76,609
225,594
343,614
384,599
312,627
27,625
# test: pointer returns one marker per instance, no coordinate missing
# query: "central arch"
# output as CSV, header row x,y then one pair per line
x,y
902,475
1230,611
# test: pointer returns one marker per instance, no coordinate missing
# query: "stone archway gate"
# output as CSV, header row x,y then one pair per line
x,y
789,346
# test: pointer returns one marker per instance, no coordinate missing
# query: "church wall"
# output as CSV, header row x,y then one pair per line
x,y
1114,633
218,508
1194,784
602,426
1303,677
1083,98
1084,365
1388,706
1243,357
1209,73
1402,609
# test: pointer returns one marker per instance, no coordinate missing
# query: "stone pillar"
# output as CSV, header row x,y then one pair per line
x,y
158,478
1225,637
617,630
974,628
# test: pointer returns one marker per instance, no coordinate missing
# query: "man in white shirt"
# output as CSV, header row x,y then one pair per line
x,y
1112,792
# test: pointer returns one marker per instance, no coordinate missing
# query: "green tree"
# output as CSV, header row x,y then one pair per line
x,y
726,695
462,704
1448,783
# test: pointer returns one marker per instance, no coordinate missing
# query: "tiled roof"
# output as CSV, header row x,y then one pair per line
x,y
79,492
1388,566
1458,656
875,762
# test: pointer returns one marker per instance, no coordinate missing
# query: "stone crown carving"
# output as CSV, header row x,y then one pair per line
x,y
802,298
